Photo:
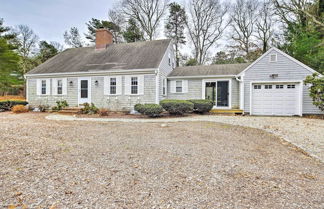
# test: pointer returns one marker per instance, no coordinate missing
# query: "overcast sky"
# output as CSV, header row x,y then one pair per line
x,y
50,18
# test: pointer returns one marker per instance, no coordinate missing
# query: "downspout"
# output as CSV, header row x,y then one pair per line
x,y
241,83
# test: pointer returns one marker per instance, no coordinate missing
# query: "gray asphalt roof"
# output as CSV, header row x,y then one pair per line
x,y
207,70
138,55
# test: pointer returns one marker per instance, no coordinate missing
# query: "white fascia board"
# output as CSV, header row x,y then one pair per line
x,y
102,72
277,81
202,76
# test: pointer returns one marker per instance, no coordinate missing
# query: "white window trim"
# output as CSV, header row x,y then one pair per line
x,y
39,86
140,84
118,85
204,81
283,81
55,86
184,86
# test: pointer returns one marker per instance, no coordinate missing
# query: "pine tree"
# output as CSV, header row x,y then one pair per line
x,y
175,27
133,33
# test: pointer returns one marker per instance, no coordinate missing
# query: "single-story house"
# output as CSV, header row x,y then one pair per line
x,y
118,76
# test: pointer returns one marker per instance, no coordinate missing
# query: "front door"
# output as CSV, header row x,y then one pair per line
x,y
84,90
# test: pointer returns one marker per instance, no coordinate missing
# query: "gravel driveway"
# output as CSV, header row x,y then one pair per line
x,y
305,133
84,164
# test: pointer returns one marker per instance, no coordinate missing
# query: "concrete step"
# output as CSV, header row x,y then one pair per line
x,y
70,110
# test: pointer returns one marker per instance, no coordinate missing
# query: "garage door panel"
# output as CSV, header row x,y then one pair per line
x,y
275,101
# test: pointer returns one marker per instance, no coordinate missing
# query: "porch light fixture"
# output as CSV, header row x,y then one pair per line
x,y
96,83
71,83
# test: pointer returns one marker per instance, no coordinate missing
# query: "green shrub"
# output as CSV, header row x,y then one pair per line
x,y
151,110
6,105
60,105
89,109
202,105
177,107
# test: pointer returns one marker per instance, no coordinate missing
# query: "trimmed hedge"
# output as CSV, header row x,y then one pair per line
x,y
151,110
202,105
177,107
6,105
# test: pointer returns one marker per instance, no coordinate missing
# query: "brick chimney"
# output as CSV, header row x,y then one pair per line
x,y
103,38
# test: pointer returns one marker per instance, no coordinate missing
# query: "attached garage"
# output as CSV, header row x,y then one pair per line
x,y
276,98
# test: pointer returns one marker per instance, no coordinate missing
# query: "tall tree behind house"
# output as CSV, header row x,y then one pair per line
x,y
147,13
206,24
174,28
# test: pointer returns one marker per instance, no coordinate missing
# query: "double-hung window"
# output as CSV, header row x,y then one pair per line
x,y
134,85
113,86
178,86
164,83
59,86
43,87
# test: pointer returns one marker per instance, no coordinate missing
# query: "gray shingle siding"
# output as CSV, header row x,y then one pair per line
x,y
165,69
195,91
286,69
118,102
34,99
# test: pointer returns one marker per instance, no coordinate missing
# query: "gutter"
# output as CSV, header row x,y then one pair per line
x,y
203,76
92,73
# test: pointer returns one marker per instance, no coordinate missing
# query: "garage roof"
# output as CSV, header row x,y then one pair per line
x,y
208,70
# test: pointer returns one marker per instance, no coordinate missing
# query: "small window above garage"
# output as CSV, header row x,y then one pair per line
x,y
273,58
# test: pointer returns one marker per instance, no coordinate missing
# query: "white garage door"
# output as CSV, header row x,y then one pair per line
x,y
275,99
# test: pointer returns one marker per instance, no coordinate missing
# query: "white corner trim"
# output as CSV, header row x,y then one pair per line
x,y
157,88
27,89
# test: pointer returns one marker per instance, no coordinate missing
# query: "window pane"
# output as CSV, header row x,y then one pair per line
x,y
43,86
84,88
134,90
59,86
113,83
134,85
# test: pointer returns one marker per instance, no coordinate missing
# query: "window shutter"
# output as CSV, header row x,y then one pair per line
x,y
118,85
64,83
39,86
141,84
127,85
106,85
48,86
173,86
54,86
184,86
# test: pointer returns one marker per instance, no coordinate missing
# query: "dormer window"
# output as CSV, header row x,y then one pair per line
x,y
169,59
273,58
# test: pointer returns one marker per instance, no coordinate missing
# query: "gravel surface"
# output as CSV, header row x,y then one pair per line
x,y
84,164
305,133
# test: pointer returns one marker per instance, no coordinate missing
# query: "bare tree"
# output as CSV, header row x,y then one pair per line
x,y
206,24
73,38
148,13
291,11
117,20
265,24
26,41
244,16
